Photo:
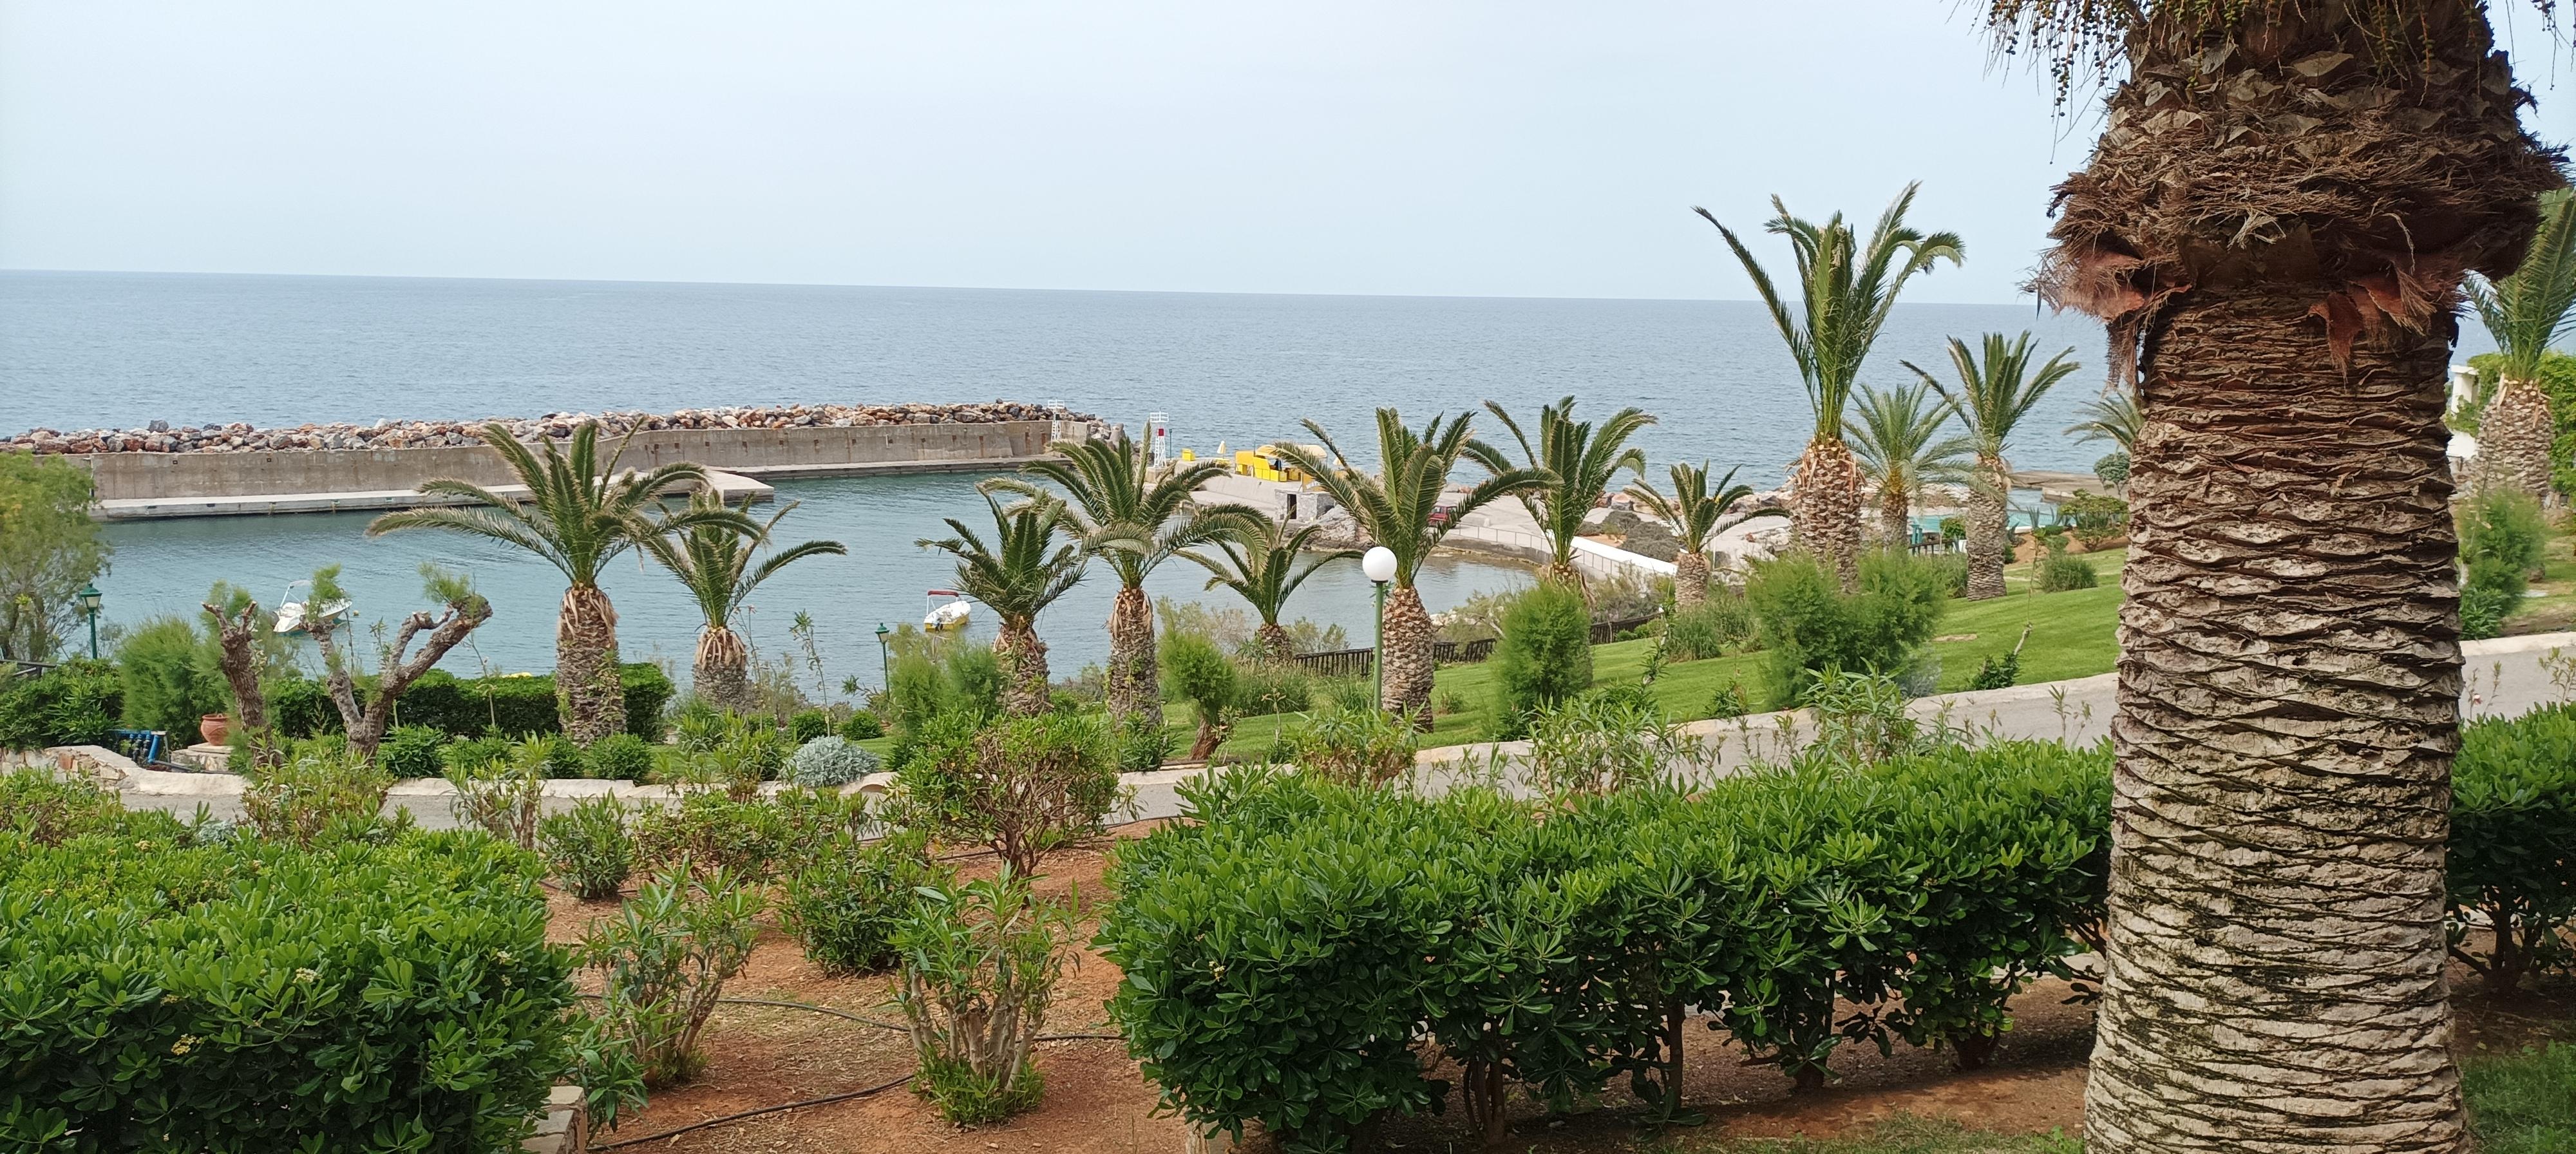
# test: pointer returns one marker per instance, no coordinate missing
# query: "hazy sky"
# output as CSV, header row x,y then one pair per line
x,y
1473,147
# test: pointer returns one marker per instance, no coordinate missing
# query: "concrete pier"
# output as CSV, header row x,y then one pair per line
x,y
138,485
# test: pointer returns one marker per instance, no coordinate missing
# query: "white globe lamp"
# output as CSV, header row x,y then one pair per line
x,y
1379,564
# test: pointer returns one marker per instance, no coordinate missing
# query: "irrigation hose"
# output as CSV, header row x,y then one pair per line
x,y
825,1100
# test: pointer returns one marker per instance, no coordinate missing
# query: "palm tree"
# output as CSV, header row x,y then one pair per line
x,y
714,562
1897,438
1846,291
2525,312
1260,565
1995,393
1113,496
580,513
1582,463
2273,226
1693,509
1017,576
1400,507
2112,417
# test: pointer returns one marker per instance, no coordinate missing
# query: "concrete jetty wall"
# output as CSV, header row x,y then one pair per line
x,y
144,484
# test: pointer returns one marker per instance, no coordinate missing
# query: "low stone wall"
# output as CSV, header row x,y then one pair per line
x,y
811,452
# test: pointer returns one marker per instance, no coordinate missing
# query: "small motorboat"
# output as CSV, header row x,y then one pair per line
x,y
949,615
295,616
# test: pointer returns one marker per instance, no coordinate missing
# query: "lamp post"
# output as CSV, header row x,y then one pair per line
x,y
885,657
88,599
1379,564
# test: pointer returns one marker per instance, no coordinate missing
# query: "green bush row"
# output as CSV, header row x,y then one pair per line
x,y
241,995
516,706
1283,956
74,703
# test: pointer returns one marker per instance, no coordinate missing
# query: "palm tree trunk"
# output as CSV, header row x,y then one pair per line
x,y
1895,516
1690,578
2288,707
1275,642
1134,687
2513,439
1025,691
588,694
1989,534
721,672
1824,507
1409,666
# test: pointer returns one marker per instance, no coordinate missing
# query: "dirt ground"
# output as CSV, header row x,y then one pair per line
x,y
1097,1102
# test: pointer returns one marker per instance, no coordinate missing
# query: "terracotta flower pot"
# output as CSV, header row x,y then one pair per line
x,y
215,727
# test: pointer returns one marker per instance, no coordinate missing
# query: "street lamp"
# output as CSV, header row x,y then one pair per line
x,y
88,599
1379,564
885,656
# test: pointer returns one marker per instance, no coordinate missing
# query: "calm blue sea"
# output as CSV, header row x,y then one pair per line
x,y
102,349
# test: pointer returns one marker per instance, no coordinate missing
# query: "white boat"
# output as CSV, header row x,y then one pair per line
x,y
947,615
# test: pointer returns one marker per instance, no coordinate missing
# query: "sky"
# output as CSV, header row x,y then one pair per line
x,y
1417,147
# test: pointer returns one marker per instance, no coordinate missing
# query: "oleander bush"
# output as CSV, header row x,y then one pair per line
x,y
979,969
246,995
753,839
1283,954
318,794
845,905
2513,845
664,960
830,760
1019,785
1353,746
588,847
504,798
36,805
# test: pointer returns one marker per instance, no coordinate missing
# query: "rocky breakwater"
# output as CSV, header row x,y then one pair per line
x,y
240,437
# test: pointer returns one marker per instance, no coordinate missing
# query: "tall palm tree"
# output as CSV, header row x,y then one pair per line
x,y
2274,225
1995,392
1021,572
1897,437
1693,509
1846,290
2525,313
1260,564
2112,417
580,513
714,562
1399,507
1583,465
1114,497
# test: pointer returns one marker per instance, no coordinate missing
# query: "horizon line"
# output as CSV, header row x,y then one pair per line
x,y
8,270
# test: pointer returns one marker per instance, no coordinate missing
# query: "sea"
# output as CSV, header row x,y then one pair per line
x,y
82,350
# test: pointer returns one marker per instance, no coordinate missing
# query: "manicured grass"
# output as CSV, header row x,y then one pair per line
x,y
2555,607
2526,1103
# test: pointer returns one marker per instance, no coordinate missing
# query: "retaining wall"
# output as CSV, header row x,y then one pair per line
x,y
804,451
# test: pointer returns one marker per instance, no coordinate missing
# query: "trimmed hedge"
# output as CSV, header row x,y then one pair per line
x,y
2513,843
74,703
245,996
1282,957
520,706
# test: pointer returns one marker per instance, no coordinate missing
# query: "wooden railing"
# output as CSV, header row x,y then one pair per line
x,y
1355,662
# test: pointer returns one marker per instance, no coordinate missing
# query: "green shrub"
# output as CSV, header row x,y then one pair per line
x,y
845,905
2112,468
1708,629
861,725
618,757
504,798
316,795
752,839
2485,600
2094,518
664,960
808,725
167,670
1138,745
36,806
1729,702
1997,671
1807,625
1544,657
1354,746
516,704
830,761
2513,817
1268,688
1603,740
2059,573
1021,785
980,963
249,996
2502,540
588,847
475,752
1559,944
413,751
74,703
1196,671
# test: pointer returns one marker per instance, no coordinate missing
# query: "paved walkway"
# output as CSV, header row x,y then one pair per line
x,y
2505,677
